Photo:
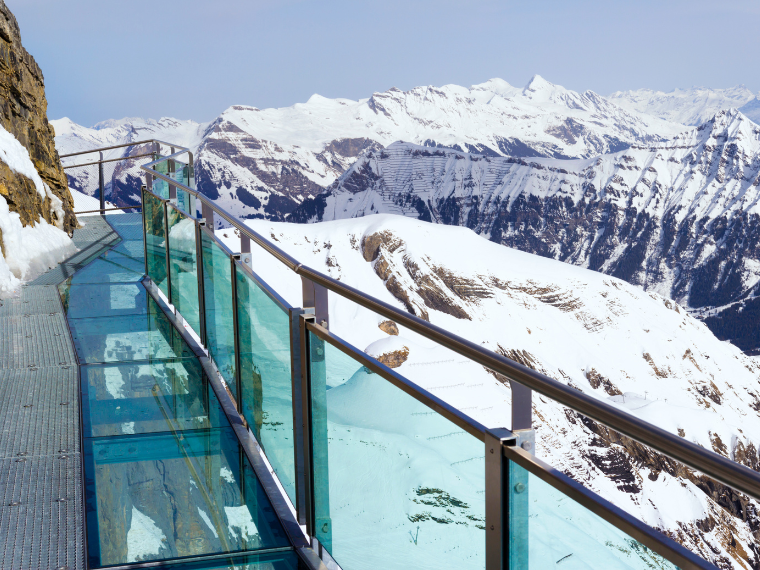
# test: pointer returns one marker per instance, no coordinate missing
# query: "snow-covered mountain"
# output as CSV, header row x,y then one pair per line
x,y
680,217
689,106
634,349
263,163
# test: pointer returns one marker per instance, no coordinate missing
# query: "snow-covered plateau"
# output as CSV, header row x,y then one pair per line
x,y
27,251
633,349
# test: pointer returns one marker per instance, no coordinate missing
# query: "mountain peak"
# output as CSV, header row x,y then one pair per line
x,y
538,83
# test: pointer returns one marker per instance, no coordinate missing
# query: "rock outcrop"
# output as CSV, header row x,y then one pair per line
x,y
24,115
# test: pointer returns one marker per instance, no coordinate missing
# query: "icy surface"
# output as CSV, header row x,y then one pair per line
x,y
144,538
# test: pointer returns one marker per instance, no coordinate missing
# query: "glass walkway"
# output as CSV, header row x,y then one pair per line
x,y
162,406
165,476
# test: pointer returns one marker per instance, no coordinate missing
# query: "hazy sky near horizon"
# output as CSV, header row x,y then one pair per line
x,y
192,59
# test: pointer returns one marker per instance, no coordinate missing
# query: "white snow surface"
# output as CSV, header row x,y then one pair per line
x,y
635,350
144,537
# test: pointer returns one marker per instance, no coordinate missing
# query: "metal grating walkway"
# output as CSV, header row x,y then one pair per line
x,y
41,519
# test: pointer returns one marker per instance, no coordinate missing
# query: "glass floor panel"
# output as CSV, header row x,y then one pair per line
x,y
287,560
127,338
124,261
132,248
98,299
155,497
102,271
162,396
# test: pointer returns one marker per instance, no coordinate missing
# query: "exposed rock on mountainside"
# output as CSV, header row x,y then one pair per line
x,y
636,350
262,163
679,218
24,115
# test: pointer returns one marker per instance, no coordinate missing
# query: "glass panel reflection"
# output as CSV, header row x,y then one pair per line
x,y
555,528
394,482
169,395
94,300
183,267
217,288
265,561
133,337
266,380
155,240
133,249
154,497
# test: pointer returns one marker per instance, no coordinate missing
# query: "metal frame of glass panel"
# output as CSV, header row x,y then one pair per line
x,y
523,381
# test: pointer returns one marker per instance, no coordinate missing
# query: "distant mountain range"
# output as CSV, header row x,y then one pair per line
x,y
623,184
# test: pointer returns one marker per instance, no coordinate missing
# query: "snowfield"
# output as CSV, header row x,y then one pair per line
x,y
636,350
27,251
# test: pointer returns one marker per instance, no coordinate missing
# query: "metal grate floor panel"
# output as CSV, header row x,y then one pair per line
x,y
35,341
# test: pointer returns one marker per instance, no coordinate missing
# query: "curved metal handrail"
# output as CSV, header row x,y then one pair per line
x,y
722,469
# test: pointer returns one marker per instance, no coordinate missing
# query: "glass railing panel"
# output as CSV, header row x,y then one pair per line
x,y
95,300
160,186
183,267
149,397
127,338
165,496
396,485
217,289
266,377
155,241
128,226
549,529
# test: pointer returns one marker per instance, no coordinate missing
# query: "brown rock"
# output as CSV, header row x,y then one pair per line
x,y
389,327
395,358
23,113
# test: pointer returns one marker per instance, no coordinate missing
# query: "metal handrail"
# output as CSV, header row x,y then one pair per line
x,y
722,469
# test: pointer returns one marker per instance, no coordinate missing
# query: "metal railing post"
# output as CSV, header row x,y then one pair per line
x,y
245,251
207,213
201,281
306,508
315,296
497,499
101,183
165,204
236,339
299,449
143,190
172,169
522,406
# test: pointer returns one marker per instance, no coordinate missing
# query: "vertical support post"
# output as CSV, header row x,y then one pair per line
x,y
236,328
168,256
245,251
143,190
172,188
315,296
307,508
497,499
522,406
201,281
208,214
296,372
518,498
102,184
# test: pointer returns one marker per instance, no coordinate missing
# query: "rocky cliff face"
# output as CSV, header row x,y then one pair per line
x,y
679,218
23,113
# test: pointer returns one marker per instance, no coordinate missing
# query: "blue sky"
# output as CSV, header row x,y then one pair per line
x,y
192,59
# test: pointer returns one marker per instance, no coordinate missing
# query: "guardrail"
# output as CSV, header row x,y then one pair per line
x,y
508,467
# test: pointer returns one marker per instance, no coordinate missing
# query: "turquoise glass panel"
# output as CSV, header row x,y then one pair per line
x,y
102,271
265,376
151,397
94,300
155,241
127,338
556,532
171,495
128,226
183,267
396,485
217,289
160,186
133,249
122,260
287,560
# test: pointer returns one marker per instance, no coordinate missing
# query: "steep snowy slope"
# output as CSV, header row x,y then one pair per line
x,y
679,218
634,349
263,163
688,106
